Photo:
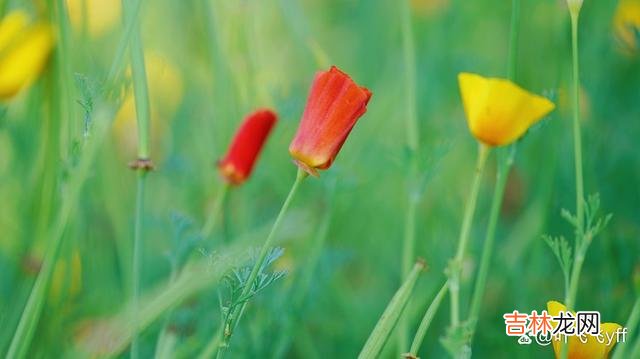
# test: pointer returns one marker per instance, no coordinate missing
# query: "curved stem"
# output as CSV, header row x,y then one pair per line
x,y
236,313
456,265
426,322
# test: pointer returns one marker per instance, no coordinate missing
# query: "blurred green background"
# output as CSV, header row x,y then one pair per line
x,y
219,60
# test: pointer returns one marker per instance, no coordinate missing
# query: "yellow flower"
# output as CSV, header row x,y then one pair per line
x,y
593,348
66,281
101,15
498,111
626,22
165,95
24,50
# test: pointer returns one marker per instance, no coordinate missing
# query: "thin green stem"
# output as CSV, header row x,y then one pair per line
x,y
631,325
381,332
579,248
505,161
487,249
141,97
207,229
130,25
413,139
301,289
426,322
456,265
137,253
236,313
635,352
31,314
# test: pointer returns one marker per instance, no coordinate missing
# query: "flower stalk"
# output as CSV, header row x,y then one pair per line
x,y
143,163
455,267
236,313
505,158
580,246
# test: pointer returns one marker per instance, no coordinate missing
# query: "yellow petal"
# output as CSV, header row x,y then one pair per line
x,y
589,347
23,61
11,26
626,18
498,111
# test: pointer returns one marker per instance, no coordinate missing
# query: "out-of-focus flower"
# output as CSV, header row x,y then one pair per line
x,y
165,95
24,51
334,106
67,277
236,166
499,111
99,16
589,347
429,7
626,23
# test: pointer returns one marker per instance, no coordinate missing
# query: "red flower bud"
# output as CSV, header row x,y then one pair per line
x,y
245,148
334,105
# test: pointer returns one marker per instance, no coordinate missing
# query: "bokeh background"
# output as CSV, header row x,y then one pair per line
x,y
211,62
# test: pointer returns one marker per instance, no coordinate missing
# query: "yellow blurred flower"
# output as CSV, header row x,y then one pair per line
x,y
165,95
626,22
99,16
66,281
592,348
24,51
498,111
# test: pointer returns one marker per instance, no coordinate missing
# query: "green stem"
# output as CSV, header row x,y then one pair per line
x,y
391,314
631,325
137,253
579,249
236,313
141,97
408,247
301,289
505,161
456,265
215,211
30,316
130,25
487,249
579,252
426,322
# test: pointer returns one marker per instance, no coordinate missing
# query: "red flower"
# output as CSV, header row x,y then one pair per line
x,y
334,105
245,148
